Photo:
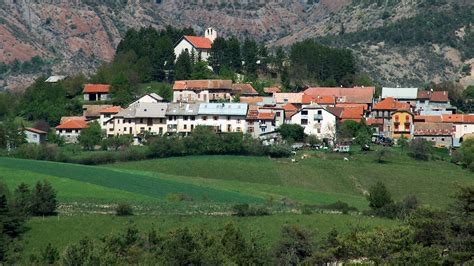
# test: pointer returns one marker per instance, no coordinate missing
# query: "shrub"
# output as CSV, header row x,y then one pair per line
x,y
292,131
123,209
279,151
420,149
467,153
44,201
379,196
244,210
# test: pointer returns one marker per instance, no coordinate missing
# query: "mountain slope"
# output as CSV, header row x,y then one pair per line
x,y
76,36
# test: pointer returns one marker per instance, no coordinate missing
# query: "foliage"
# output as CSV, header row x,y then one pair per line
x,y
382,155
117,142
420,149
292,132
44,200
294,247
90,136
184,66
379,196
244,210
123,209
467,153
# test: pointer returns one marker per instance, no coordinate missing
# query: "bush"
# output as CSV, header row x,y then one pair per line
x,y
379,196
279,151
244,210
44,201
466,153
124,209
420,149
179,197
292,132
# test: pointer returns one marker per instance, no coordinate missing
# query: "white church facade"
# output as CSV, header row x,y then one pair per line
x,y
201,46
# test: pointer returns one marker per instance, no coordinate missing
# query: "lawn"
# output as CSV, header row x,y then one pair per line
x,y
63,230
322,175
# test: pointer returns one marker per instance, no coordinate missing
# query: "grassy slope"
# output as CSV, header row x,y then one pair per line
x,y
106,179
432,182
61,231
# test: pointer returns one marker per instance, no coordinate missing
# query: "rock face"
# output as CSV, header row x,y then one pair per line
x,y
78,35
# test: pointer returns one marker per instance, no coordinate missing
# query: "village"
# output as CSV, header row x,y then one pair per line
x,y
393,113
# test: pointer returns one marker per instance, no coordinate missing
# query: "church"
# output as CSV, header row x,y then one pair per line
x,y
200,45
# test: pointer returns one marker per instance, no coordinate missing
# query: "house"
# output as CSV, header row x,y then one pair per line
x,y
355,95
272,90
200,46
96,92
278,110
317,121
350,113
243,89
383,110
202,91
55,79
289,97
106,114
223,117
463,125
139,119
71,129
407,95
149,98
260,122
34,135
402,124
438,133
433,103
181,117
93,111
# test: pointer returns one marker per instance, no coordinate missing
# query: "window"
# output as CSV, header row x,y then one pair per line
x,y
278,114
129,121
192,127
238,121
229,128
442,139
161,130
185,127
396,118
251,129
320,112
239,129
193,118
250,123
318,130
141,120
204,118
396,127
304,112
185,118
228,118
150,122
407,118
304,121
216,117
142,130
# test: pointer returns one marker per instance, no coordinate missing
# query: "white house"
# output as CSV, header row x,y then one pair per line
x,y
260,122
201,46
223,117
96,92
316,121
463,126
34,135
106,114
181,117
408,95
71,129
149,98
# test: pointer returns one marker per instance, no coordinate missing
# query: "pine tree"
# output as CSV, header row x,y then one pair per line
x,y
183,67
44,199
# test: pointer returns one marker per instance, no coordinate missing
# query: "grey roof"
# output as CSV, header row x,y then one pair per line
x,y
144,110
223,109
182,109
400,93
156,96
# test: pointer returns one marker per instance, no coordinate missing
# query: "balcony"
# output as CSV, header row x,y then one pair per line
x,y
318,117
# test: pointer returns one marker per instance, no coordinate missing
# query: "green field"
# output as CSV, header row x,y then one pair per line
x,y
213,184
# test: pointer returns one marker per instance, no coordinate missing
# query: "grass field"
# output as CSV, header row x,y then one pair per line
x,y
323,178
63,230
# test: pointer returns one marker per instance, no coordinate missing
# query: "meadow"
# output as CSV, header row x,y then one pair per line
x,y
210,185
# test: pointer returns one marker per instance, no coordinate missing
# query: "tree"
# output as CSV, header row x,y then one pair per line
x,y
294,246
91,136
121,90
124,209
183,68
44,199
250,57
293,132
218,54
233,243
379,196
22,199
467,153
201,71
420,149
117,142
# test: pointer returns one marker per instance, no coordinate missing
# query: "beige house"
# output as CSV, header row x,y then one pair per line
x,y
202,91
223,117
181,117
139,119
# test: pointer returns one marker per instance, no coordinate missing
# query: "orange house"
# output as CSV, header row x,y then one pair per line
x,y
402,124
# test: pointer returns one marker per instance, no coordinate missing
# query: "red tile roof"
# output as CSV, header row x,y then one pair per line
x,y
199,42
271,90
266,116
64,119
439,96
352,113
207,84
244,89
374,121
423,95
252,114
428,118
353,105
458,118
290,107
391,104
433,129
96,88
345,95
251,99
111,110
323,100
35,130
73,124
